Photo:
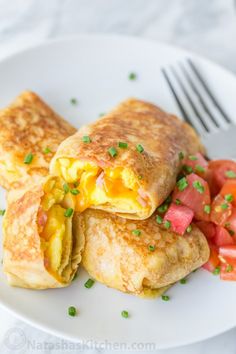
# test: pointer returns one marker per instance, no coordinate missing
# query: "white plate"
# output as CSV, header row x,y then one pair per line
x,y
95,70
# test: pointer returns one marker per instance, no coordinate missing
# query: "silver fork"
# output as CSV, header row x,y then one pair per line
x,y
201,109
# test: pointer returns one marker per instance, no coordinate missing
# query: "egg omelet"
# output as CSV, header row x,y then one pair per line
x,y
41,245
126,162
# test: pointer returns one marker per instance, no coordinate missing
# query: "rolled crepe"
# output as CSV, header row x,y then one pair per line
x,y
126,162
28,126
41,244
138,257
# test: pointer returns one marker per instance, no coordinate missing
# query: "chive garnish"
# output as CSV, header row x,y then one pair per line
x,y
182,184
229,268
69,212
66,188
187,169
140,177
132,76
177,201
72,311
76,184
2,212
231,232
136,232
230,174
199,168
73,101
198,186
112,151
181,155
216,271
28,158
165,298
159,219
224,206
207,209
122,145
125,314
167,224
139,148
193,157
189,228
47,150
151,248
86,139
89,283
74,191
183,281
229,197
163,208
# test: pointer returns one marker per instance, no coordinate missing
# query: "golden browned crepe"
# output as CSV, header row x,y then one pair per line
x,y
132,183
28,126
138,263
41,243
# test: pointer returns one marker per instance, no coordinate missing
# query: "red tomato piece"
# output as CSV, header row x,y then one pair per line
x,y
228,252
180,217
220,210
219,170
207,228
230,224
227,271
213,261
193,197
229,188
222,237
197,163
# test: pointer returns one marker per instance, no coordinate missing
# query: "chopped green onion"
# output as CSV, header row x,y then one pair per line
x,y
89,283
183,281
231,232
46,150
140,148
122,145
159,219
74,191
182,184
181,155
167,224
132,76
69,212
86,139
229,268
125,314
73,101
165,298
189,228
216,271
72,311
163,208
224,206
75,276
151,248
76,184
207,209
192,157
198,186
230,174
140,177
112,151
187,169
229,197
66,188
28,158
2,212
199,168
177,201
136,232
227,224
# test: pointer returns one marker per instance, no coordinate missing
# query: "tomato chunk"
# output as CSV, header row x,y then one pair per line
x,y
197,164
227,271
222,237
229,188
207,228
213,261
180,217
228,252
221,171
195,195
220,210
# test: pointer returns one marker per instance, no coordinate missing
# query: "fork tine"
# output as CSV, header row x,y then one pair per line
x,y
198,94
171,87
196,111
207,89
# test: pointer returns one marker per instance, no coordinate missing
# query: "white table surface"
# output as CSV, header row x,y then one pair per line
x,y
205,27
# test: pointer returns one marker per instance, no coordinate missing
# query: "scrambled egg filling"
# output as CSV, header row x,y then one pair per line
x,y
117,187
55,228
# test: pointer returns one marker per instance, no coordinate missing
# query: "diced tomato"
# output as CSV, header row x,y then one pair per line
x,y
213,260
228,252
207,228
220,210
227,271
197,163
218,172
180,217
222,237
229,188
193,198
231,223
